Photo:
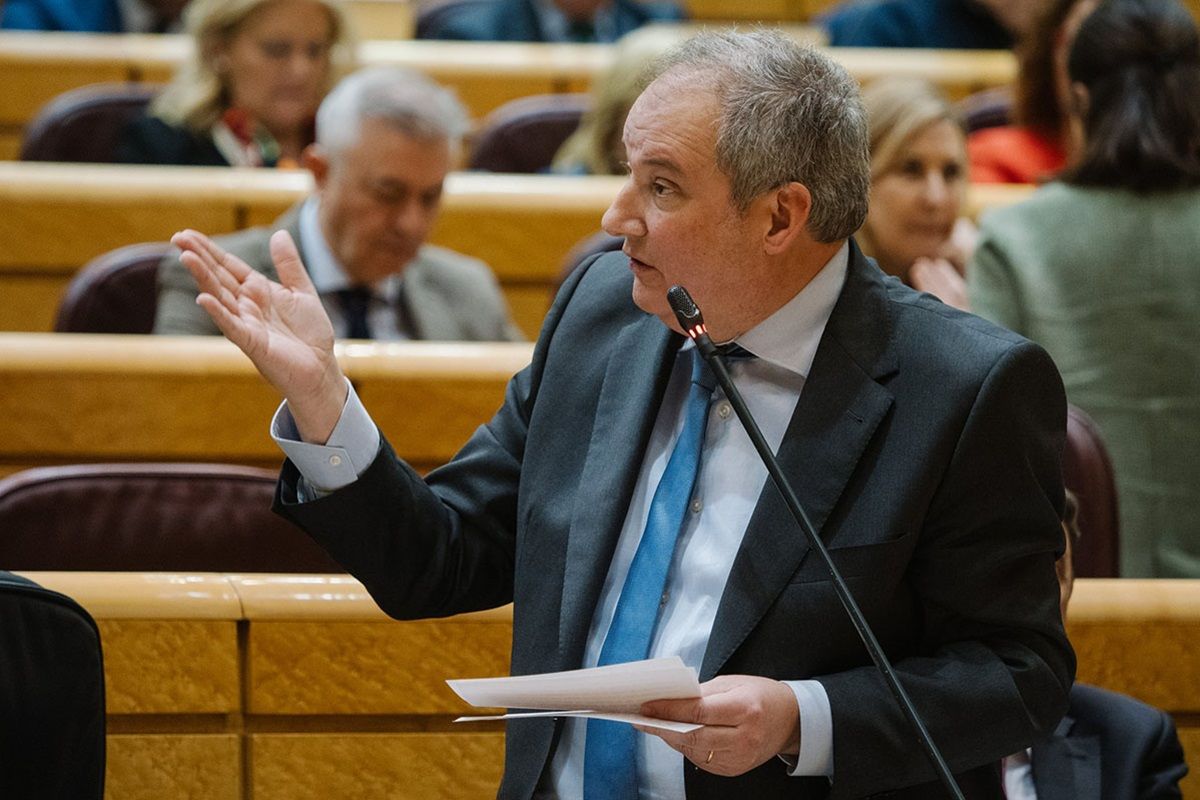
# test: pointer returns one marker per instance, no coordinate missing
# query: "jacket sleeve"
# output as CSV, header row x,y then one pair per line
x,y
444,544
992,667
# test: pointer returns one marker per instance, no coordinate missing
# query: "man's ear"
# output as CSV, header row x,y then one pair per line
x,y
316,160
789,207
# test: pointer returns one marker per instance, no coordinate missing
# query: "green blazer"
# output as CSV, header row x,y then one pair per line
x,y
1109,283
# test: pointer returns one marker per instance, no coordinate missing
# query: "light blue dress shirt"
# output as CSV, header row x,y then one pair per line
x,y
729,481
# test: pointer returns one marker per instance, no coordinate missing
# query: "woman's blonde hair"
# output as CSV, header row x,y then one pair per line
x,y
593,147
898,109
196,96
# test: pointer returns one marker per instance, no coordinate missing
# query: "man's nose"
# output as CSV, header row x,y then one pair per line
x,y
411,219
623,217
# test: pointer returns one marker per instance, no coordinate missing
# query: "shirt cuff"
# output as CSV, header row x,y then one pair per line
x,y
351,448
816,731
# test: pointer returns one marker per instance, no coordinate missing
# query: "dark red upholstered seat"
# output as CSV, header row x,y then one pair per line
x,y
1088,472
85,124
150,517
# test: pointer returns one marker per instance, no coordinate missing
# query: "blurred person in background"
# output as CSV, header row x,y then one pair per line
x,y
550,20
1036,145
952,24
1100,268
596,148
249,91
914,227
93,16
386,137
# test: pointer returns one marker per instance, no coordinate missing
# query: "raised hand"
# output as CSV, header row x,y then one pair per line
x,y
282,327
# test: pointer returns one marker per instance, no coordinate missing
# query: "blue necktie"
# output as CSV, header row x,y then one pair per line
x,y
610,755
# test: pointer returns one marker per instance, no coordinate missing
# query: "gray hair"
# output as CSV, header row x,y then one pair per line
x,y
405,99
788,113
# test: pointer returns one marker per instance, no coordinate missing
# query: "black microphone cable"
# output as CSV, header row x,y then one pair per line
x,y
692,321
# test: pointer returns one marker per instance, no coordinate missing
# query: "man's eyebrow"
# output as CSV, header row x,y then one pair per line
x,y
663,163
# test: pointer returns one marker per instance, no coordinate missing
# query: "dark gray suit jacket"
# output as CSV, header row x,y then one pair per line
x,y
1109,747
447,296
925,447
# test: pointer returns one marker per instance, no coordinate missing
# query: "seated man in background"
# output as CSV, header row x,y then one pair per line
x,y
386,138
93,16
549,20
1108,745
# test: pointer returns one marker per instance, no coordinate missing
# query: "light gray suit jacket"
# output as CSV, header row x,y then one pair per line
x,y
448,296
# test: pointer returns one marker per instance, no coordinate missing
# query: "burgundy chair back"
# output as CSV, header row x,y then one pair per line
x,y
150,518
85,124
523,135
1088,472
116,292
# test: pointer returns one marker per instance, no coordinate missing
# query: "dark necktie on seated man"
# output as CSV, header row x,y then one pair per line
x,y
610,750
356,304
581,30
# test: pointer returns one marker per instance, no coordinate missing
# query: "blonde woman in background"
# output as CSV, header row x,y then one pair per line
x,y
596,147
914,228
248,93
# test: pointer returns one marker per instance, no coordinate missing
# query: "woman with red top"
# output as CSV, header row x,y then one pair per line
x,y
1035,148
248,94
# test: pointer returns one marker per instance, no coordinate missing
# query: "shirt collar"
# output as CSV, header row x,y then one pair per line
x,y
789,337
324,269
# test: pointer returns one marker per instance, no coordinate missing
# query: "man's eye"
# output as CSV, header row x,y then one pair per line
x,y
660,188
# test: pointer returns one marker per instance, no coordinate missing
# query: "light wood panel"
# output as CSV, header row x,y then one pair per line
x,y
485,74
1137,637
81,398
57,217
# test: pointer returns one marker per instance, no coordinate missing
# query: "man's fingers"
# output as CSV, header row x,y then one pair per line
x,y
287,263
208,250
227,321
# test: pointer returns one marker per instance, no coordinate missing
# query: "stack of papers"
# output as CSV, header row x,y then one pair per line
x,y
615,692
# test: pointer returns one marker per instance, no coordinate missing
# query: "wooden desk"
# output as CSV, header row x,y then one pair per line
x,y
80,398
36,67
57,217
224,687
336,700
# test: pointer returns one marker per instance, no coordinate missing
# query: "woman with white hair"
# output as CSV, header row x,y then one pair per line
x,y
249,91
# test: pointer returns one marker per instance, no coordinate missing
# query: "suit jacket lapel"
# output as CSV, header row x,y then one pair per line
x,y
1066,766
634,381
839,408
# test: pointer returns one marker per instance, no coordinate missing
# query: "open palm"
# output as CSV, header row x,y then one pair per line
x,y
282,326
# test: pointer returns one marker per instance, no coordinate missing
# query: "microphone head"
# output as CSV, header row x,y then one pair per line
x,y
686,311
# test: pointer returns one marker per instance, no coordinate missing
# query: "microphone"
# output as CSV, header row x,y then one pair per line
x,y
692,321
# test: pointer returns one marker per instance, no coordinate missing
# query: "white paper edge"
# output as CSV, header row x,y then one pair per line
x,y
632,719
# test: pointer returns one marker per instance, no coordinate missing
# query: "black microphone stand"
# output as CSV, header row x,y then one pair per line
x,y
692,322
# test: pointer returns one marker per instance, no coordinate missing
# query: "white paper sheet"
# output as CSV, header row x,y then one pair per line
x,y
613,692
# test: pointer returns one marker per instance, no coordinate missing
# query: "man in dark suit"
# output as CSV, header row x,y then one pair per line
x,y
93,16
924,443
1108,746
546,20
